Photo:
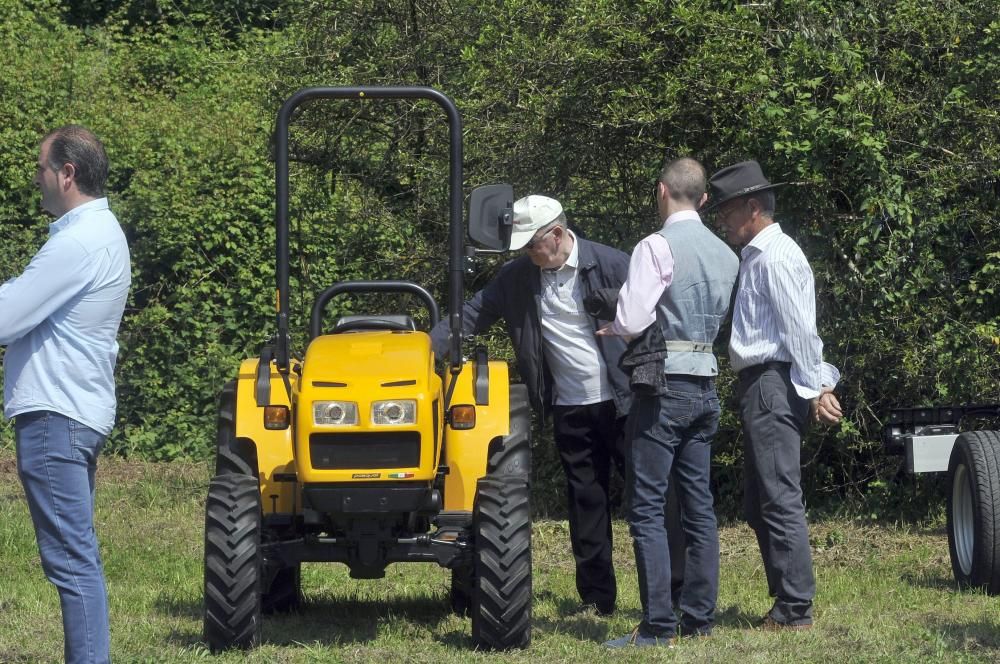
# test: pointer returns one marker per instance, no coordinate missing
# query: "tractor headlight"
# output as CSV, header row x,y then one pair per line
x,y
335,412
399,411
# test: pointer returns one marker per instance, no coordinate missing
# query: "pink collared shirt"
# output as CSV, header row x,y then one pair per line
x,y
650,272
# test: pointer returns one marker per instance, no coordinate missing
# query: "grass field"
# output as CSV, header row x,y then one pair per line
x,y
885,594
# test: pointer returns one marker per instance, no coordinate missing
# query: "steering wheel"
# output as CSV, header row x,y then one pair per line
x,y
371,324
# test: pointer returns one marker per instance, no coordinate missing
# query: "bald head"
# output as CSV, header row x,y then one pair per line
x,y
684,178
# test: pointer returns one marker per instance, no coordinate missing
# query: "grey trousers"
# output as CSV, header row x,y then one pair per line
x,y
774,417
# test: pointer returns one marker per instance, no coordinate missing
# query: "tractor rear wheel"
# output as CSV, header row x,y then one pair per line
x,y
461,590
511,454
285,593
974,510
232,563
501,597
232,455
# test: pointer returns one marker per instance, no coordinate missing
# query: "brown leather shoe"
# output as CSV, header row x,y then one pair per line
x,y
769,624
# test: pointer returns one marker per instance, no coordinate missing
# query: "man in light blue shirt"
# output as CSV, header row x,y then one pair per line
x,y
60,323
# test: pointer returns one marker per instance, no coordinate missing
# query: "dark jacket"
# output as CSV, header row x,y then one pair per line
x,y
643,358
514,294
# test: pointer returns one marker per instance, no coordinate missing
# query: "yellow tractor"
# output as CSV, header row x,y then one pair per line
x,y
364,449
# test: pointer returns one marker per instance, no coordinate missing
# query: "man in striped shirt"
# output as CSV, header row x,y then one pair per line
x,y
783,383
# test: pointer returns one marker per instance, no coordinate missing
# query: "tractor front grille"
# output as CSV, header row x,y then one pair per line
x,y
344,451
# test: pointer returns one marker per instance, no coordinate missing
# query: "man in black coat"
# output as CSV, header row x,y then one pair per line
x,y
569,371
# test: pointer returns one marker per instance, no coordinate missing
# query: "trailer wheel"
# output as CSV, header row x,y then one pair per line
x,y
501,598
232,563
974,510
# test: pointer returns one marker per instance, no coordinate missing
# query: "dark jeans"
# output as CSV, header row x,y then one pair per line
x,y
774,418
671,441
589,440
56,461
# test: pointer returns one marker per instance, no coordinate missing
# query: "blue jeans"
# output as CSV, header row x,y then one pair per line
x,y
56,461
674,433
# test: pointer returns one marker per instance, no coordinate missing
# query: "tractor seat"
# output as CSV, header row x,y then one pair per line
x,y
368,322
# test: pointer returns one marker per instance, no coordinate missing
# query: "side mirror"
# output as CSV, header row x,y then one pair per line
x,y
491,215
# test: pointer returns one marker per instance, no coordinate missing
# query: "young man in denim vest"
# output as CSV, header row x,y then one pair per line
x,y
681,279
60,323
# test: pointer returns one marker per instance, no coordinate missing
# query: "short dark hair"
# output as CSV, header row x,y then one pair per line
x,y
766,201
77,145
684,178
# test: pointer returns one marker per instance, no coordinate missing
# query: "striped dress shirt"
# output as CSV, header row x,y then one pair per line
x,y
774,314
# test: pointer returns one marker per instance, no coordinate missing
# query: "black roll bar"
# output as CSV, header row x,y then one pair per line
x,y
455,240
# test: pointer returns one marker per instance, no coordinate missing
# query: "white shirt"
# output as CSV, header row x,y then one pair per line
x,y
578,373
774,315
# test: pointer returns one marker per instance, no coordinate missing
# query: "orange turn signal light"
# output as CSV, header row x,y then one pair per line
x,y
276,417
463,417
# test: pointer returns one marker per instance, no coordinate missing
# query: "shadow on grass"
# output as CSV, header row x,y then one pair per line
x,y
350,620
338,622
736,618
931,581
572,618
566,606
178,607
586,625
329,621
979,636
11,657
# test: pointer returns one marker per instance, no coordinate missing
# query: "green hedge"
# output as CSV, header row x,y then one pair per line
x,y
882,116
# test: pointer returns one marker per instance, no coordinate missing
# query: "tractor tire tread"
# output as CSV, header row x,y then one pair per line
x,y
232,563
501,611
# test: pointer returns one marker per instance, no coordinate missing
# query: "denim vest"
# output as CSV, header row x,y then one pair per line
x,y
695,304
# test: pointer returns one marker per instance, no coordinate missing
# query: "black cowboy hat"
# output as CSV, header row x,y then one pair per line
x,y
735,181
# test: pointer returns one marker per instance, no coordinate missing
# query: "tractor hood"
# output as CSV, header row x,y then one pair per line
x,y
369,361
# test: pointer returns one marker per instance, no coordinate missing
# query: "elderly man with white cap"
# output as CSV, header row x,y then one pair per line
x,y
569,371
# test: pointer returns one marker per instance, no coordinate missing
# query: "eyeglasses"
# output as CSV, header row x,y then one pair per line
x,y
722,215
535,240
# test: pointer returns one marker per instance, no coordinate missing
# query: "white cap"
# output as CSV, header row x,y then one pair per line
x,y
530,214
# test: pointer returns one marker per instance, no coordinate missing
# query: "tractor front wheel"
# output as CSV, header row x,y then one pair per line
x,y
501,597
232,563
